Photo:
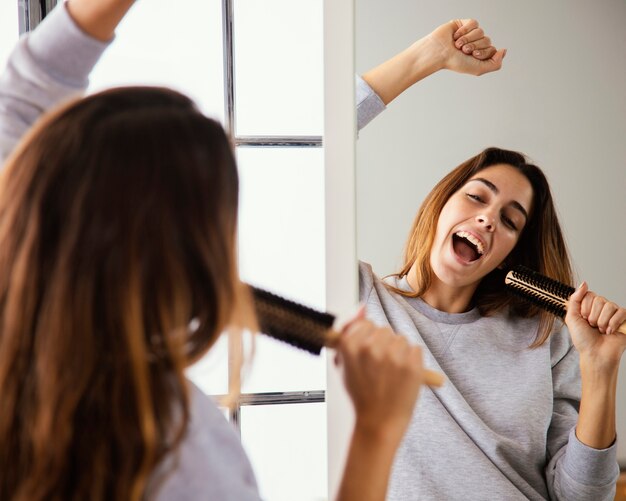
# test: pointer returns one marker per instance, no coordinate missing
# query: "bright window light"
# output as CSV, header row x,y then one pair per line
x,y
9,28
177,45
279,67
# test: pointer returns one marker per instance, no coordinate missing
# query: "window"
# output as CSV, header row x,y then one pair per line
x,y
9,30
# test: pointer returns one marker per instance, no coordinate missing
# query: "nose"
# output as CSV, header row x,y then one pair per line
x,y
486,221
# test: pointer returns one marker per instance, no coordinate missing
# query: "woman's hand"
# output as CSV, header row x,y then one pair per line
x,y
383,374
98,18
466,48
593,322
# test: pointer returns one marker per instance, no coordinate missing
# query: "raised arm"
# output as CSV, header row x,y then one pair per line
x,y
52,64
459,45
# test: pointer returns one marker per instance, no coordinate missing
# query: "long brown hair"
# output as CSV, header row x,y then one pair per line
x,y
541,246
117,228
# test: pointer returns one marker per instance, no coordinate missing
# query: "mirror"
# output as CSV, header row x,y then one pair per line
x,y
559,98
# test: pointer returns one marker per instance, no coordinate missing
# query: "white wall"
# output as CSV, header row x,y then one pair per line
x,y
560,98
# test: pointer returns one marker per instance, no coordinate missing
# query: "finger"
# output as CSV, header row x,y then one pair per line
x,y
464,26
472,37
382,346
616,321
596,308
354,337
606,315
492,64
482,44
585,302
359,328
575,300
400,350
484,54
415,358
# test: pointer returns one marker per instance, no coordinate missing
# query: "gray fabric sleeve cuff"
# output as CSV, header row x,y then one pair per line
x,y
368,104
588,466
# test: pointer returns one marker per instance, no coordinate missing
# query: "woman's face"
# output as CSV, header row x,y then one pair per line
x,y
480,224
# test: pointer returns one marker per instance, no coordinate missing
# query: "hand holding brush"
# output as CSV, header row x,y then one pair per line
x,y
553,296
383,375
598,331
597,326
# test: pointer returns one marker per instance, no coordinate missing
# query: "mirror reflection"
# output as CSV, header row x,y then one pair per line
x,y
504,422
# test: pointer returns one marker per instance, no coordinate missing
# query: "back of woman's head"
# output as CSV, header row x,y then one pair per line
x,y
541,246
117,228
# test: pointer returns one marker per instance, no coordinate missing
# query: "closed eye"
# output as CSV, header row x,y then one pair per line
x,y
474,197
509,222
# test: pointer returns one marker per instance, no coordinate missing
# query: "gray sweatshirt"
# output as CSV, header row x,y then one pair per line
x,y
502,427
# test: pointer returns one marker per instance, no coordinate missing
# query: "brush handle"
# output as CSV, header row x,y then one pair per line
x,y
431,378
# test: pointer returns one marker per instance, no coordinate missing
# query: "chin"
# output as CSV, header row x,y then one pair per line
x,y
460,275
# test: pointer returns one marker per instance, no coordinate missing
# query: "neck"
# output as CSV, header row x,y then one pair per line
x,y
443,297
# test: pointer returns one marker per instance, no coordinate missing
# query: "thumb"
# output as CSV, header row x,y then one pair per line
x,y
496,60
575,300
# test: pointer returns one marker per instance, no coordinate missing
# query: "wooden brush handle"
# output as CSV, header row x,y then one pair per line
x,y
431,378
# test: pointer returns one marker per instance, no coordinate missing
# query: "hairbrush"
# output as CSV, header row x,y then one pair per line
x,y
303,327
537,289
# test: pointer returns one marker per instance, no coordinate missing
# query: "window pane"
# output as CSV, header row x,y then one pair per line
x,y
210,373
287,447
281,249
278,67
178,45
9,29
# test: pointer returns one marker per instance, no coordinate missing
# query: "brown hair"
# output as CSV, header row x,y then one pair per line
x,y
117,228
541,246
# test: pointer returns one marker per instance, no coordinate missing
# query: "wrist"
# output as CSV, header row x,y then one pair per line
x,y
379,434
426,56
598,369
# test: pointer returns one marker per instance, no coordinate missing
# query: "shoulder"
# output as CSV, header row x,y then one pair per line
x,y
366,280
210,462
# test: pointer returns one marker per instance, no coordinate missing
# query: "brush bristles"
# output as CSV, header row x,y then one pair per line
x,y
291,322
537,299
539,290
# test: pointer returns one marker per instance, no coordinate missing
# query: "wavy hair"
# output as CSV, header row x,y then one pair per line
x,y
541,246
117,228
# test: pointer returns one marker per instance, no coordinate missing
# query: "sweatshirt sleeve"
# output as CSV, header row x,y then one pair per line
x,y
368,104
47,67
574,471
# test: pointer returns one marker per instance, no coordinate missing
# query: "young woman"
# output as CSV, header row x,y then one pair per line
x,y
118,215
529,408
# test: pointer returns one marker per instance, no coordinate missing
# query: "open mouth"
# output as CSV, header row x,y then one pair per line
x,y
467,247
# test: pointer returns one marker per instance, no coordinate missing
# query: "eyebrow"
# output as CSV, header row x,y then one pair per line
x,y
515,204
